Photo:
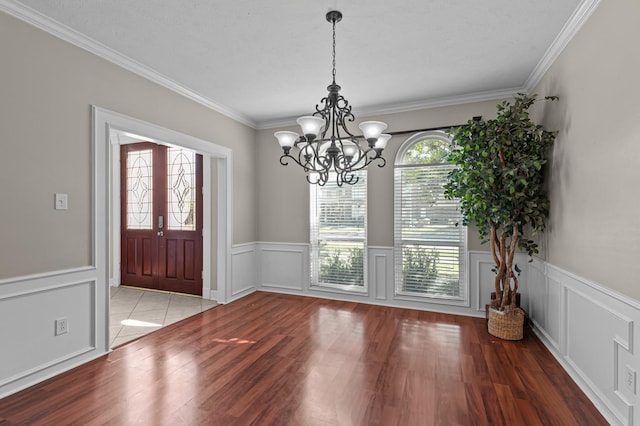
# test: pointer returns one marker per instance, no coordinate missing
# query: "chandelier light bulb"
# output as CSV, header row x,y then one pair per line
x,y
381,143
372,130
349,150
286,139
311,126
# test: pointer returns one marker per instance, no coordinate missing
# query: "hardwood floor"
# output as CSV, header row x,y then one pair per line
x,y
276,359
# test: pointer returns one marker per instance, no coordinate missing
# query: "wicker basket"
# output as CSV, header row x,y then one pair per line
x,y
507,325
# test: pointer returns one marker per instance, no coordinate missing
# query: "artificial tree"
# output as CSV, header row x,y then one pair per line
x,y
500,184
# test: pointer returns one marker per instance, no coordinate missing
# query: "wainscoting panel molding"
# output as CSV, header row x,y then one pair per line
x,y
243,270
284,266
591,331
381,271
29,307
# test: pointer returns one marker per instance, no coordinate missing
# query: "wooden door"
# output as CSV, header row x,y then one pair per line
x,y
161,217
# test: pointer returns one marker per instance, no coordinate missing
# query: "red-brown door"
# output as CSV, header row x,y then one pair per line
x,y
161,217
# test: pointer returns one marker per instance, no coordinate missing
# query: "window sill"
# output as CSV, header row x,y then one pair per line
x,y
451,301
340,289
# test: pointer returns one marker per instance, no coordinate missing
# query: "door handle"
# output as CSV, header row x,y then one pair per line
x,y
160,233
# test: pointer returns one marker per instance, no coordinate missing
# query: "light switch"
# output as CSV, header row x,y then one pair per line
x,y
61,202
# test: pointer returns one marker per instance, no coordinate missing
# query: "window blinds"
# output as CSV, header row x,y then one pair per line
x,y
430,238
338,233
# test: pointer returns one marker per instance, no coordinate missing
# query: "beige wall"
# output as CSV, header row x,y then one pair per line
x,y
47,87
595,174
283,194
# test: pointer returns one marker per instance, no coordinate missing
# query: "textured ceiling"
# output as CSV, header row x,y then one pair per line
x,y
264,62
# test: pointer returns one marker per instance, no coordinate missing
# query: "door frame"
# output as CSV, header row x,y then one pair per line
x,y
110,129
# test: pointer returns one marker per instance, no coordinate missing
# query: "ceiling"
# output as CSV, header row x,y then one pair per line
x,y
265,62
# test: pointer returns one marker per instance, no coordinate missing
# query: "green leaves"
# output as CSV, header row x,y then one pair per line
x,y
500,174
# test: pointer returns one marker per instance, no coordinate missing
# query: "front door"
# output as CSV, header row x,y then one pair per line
x,y
161,217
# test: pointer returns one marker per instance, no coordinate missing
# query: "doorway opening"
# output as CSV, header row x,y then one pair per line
x,y
110,130
217,189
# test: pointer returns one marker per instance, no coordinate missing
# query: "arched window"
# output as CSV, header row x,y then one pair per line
x,y
430,240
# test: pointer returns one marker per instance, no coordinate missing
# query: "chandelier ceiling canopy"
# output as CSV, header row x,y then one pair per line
x,y
341,153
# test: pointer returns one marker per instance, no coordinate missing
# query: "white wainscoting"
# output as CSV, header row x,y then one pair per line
x,y
591,330
284,268
243,270
380,272
29,307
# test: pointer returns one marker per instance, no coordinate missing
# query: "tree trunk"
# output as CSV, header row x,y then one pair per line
x,y
512,255
495,250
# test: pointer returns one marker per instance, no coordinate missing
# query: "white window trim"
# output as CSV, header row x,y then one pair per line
x,y
464,255
314,283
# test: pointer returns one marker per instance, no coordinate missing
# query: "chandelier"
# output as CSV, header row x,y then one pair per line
x,y
342,153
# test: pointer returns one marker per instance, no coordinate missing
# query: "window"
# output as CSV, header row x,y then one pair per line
x,y
181,194
338,234
429,235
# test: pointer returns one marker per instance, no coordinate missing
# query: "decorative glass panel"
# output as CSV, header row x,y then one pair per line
x,y
181,196
139,189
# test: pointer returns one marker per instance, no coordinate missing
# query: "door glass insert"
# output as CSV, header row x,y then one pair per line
x,y
139,189
181,200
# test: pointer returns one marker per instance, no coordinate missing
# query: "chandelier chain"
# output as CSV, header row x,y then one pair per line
x,y
333,72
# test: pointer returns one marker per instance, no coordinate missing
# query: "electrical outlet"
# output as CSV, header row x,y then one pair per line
x,y
61,326
630,379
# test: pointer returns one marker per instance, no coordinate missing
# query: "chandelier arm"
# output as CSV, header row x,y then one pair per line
x,y
321,178
325,114
311,181
317,166
344,115
325,162
311,160
320,164
346,177
284,157
340,153
298,161
310,153
316,163
304,153
364,161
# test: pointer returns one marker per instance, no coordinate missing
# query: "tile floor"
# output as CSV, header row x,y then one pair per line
x,y
135,312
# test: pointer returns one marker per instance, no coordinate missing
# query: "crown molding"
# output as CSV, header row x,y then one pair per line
x,y
38,20
61,31
568,31
410,106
